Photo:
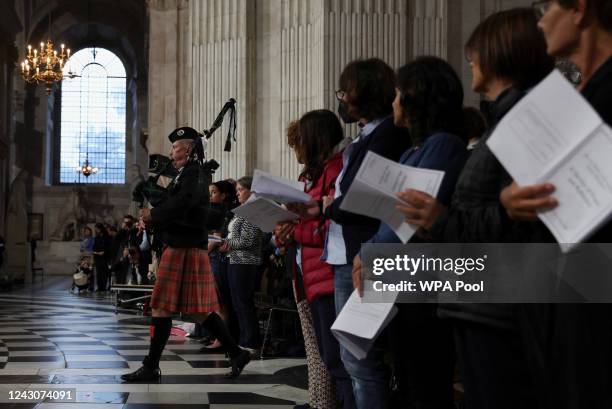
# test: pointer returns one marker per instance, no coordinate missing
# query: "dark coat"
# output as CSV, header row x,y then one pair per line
x,y
180,221
386,140
477,216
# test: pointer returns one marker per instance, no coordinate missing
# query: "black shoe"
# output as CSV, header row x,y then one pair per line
x,y
209,350
238,363
144,373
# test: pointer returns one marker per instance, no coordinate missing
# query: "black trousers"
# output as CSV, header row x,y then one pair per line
x,y
423,358
494,368
101,272
569,349
241,278
323,312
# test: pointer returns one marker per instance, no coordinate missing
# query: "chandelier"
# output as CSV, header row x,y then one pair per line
x,y
86,169
45,66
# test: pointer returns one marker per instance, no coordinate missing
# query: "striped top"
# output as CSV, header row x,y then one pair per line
x,y
245,240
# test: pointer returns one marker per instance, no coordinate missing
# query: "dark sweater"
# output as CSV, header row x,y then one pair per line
x,y
386,140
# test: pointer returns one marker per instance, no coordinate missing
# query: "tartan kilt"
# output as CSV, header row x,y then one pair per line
x,y
185,282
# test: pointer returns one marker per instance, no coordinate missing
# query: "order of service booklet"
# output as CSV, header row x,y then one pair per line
x,y
554,136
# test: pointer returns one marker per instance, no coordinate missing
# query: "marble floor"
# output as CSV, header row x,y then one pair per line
x,y
51,339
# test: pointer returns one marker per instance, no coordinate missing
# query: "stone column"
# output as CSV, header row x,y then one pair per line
x,y
466,14
169,82
281,58
429,27
362,30
222,52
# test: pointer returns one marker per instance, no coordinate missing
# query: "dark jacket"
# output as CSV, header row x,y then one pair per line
x,y
101,244
477,216
180,221
318,276
440,151
386,140
598,92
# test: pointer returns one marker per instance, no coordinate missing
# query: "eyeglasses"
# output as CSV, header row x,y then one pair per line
x,y
340,95
541,8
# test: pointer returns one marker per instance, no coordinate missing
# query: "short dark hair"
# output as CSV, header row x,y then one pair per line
x,y
245,182
227,189
431,97
370,87
102,228
509,45
319,132
600,9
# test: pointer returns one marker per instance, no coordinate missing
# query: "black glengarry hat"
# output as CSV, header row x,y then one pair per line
x,y
184,133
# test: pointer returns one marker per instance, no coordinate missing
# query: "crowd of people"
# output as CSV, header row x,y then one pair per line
x,y
505,356
116,255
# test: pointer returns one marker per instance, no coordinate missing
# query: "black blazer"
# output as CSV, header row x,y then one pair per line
x,y
386,140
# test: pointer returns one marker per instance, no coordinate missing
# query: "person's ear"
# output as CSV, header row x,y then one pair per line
x,y
580,12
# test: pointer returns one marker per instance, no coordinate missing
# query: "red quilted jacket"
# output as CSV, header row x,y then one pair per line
x,y
318,276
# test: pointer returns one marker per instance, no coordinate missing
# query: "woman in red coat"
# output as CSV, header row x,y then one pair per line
x,y
318,146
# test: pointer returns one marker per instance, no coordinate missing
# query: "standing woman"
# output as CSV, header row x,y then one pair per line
x,y
507,55
428,102
100,252
321,388
318,146
243,246
223,198
575,343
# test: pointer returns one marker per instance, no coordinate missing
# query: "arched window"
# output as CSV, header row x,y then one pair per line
x,y
93,117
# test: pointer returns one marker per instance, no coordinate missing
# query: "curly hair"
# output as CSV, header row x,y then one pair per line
x,y
431,97
293,137
319,132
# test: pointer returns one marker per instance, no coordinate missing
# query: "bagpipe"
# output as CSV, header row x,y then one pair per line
x,y
155,192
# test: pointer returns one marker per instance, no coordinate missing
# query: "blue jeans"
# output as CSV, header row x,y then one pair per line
x,y
241,278
370,375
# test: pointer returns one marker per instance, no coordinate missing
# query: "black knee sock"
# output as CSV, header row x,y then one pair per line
x,y
215,325
161,333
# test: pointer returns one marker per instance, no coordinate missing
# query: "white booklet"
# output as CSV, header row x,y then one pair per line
x,y
278,189
359,324
264,213
373,190
554,136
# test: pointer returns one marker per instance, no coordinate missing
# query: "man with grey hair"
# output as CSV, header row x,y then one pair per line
x,y
185,282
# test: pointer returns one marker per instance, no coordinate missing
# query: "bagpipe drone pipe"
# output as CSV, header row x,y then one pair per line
x,y
154,190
